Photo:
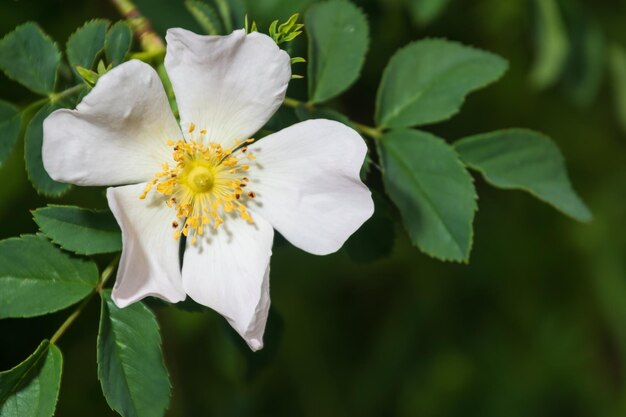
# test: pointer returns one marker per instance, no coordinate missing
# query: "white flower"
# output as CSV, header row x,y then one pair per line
x,y
209,182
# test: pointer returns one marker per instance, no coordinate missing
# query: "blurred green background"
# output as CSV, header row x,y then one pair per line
x,y
535,325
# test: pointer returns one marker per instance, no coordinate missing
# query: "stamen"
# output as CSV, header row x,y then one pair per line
x,y
204,184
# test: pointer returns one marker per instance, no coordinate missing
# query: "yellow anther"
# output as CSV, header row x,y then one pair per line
x,y
202,184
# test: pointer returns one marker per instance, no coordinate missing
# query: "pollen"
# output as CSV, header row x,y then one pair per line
x,y
205,185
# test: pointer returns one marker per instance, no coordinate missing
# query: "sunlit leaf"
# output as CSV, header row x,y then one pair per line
x,y
427,81
82,231
551,44
9,129
117,42
32,387
38,278
338,40
33,142
84,45
524,160
90,77
131,370
435,194
30,57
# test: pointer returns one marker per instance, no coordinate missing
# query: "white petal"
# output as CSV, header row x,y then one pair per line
x,y
116,135
228,85
150,264
228,271
308,185
256,328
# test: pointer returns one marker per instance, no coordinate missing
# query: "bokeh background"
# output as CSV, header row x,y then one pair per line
x,y
535,325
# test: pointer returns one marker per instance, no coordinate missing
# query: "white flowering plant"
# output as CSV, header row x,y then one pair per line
x,y
204,155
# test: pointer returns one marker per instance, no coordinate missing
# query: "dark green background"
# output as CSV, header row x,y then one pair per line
x,y
535,325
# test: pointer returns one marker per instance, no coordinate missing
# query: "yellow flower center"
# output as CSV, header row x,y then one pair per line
x,y
206,184
198,176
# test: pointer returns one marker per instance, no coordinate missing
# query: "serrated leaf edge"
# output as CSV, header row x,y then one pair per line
x,y
520,188
58,52
465,256
43,233
377,116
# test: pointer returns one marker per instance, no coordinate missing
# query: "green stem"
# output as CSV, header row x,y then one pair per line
x,y
370,131
156,55
293,103
106,274
54,97
148,39
68,322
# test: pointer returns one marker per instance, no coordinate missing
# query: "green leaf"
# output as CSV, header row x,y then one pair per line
x,y
206,16
338,40
30,57
131,370
37,278
79,230
31,388
90,77
435,194
117,42
427,81
425,12
33,142
375,239
10,121
524,160
551,44
617,60
289,24
84,45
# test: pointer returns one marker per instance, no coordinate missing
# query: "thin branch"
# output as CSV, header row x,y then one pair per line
x,y
370,131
